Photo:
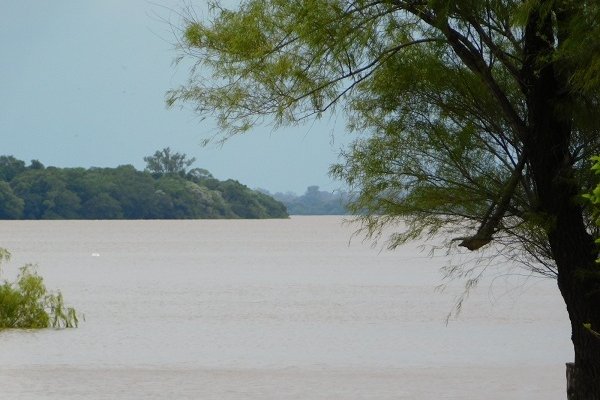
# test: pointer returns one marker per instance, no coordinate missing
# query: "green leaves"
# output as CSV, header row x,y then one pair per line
x,y
439,92
168,189
279,59
194,35
165,162
593,198
26,303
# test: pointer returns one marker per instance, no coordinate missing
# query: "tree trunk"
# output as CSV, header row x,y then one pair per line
x,y
573,248
578,284
571,380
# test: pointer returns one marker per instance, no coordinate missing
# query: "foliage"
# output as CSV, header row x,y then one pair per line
x,y
247,206
594,196
12,206
26,303
437,90
165,162
126,193
10,167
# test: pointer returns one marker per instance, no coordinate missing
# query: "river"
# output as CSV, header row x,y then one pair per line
x,y
272,309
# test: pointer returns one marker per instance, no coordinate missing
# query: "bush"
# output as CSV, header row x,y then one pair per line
x,y
27,304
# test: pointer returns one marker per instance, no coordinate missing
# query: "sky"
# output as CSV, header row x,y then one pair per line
x,y
83,84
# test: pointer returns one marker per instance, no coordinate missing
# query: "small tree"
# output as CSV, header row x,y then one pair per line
x,y
164,162
26,303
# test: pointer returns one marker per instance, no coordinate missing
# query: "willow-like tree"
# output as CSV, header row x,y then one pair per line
x,y
477,118
165,162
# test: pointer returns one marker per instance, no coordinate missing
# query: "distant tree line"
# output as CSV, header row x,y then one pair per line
x,y
314,202
165,190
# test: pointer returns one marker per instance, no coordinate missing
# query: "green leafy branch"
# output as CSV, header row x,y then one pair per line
x,y
27,304
588,327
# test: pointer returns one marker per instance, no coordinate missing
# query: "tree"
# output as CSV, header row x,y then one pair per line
x,y
11,207
101,206
478,119
164,162
37,192
10,167
135,193
246,203
45,194
198,175
27,304
36,164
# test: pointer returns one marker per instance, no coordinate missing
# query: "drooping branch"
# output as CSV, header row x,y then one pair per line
x,y
384,55
504,57
472,59
496,211
476,64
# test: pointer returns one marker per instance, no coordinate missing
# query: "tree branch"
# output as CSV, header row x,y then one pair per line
x,y
495,213
465,50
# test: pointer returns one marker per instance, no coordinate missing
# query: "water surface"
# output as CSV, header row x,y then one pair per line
x,y
271,309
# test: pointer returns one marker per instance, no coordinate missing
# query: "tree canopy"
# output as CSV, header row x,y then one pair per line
x,y
166,162
437,88
477,119
38,192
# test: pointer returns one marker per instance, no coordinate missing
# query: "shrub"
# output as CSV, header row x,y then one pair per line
x,y
26,303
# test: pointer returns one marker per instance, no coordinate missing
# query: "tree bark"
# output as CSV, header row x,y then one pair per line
x,y
571,380
573,248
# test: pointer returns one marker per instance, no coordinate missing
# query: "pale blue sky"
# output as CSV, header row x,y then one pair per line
x,y
83,84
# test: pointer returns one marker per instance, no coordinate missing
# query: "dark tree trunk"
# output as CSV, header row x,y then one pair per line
x,y
572,246
578,283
